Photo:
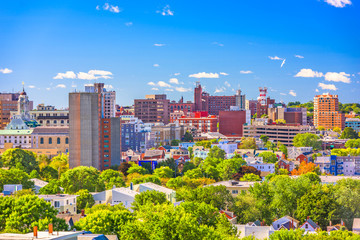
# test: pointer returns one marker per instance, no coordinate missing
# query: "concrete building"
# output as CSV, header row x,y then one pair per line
x,y
290,115
283,133
64,203
163,134
153,109
84,129
240,100
51,138
326,112
201,121
252,106
107,99
231,122
354,123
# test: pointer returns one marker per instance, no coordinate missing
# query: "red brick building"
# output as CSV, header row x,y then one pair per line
x,y
202,123
181,106
231,122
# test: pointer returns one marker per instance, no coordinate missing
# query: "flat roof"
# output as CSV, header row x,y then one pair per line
x,y
236,184
41,235
157,187
126,191
57,196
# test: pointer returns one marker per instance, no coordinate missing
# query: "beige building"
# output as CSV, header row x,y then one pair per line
x,y
64,203
51,138
164,134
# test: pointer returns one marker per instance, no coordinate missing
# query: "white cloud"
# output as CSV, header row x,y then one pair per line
x,y
339,3
316,90
48,89
98,7
60,86
292,93
219,90
227,84
111,8
166,11
67,74
99,72
108,86
174,80
218,44
224,73
283,94
151,83
283,62
169,90
308,73
86,76
176,74
155,89
163,84
337,77
275,58
31,86
182,89
156,65
245,72
5,70
128,24
204,75
73,85
299,56
327,86
159,44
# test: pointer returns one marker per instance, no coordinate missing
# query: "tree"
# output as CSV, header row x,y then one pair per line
x,y
171,163
124,167
244,170
194,173
248,143
250,177
23,192
137,169
321,128
34,174
175,142
6,206
164,172
27,211
60,163
283,149
53,187
352,143
349,133
48,173
43,161
84,199
337,129
306,168
82,177
204,143
146,197
228,167
245,208
307,140
176,183
146,178
15,176
280,121
187,166
188,137
216,152
19,158
268,157
264,138
112,178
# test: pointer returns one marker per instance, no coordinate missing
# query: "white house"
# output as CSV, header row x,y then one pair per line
x,y
38,184
149,186
11,188
123,195
264,167
310,226
64,203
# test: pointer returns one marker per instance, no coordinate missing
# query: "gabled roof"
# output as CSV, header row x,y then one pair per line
x,y
311,223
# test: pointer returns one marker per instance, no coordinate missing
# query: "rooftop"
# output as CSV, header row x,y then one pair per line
x,y
157,187
41,235
126,191
233,183
57,196
51,130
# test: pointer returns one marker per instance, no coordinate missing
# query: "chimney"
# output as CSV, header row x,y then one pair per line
x,y
330,223
82,213
35,231
307,217
131,186
50,228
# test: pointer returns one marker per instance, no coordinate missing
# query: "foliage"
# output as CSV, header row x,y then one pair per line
x,y
307,140
6,205
124,167
48,173
283,149
353,143
245,208
84,200
228,167
171,163
53,187
188,137
248,143
80,178
112,178
187,166
216,152
146,178
268,157
60,163
349,133
306,168
137,169
280,121
194,173
175,142
345,152
204,143
264,138
34,174
21,159
164,172
250,177
15,176
337,129
147,197
23,192
42,161
244,170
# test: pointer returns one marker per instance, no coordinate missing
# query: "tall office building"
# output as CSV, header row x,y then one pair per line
x,y
326,112
153,109
107,100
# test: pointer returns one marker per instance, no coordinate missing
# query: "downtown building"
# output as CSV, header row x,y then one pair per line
x,y
290,115
231,121
153,109
326,112
94,139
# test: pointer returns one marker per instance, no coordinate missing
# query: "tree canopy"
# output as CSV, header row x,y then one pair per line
x,y
307,140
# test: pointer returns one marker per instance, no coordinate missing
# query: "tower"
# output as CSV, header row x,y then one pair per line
x,y
198,97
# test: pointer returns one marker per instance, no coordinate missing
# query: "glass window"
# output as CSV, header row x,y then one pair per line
x,y
66,140
41,140
50,140
58,140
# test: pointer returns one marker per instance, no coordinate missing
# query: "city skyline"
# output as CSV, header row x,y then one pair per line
x,y
297,50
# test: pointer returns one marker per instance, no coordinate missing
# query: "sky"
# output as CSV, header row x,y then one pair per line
x,y
297,49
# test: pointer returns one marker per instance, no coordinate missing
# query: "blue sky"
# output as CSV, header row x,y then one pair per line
x,y
295,48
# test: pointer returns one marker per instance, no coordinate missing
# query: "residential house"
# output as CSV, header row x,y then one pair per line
x,y
149,186
179,153
124,196
294,152
286,222
64,203
186,145
258,232
10,189
227,147
310,226
356,225
286,164
339,165
230,216
234,187
265,168
200,153
154,154
38,184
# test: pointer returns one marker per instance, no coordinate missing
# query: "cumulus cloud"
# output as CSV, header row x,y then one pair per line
x,y
299,56
108,86
218,44
60,86
182,89
283,94
327,86
275,58
108,7
166,11
245,72
48,89
156,65
204,75
337,77
219,90
99,72
224,73
169,90
90,75
339,3
308,73
163,84
159,44
151,83
176,74
67,74
174,80
155,89
128,24
86,76
292,93
31,86
227,84
316,90
5,70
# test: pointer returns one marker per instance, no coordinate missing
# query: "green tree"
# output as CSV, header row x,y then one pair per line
x,y
84,200
194,173
53,187
203,143
15,176
6,206
250,177
19,158
124,167
112,178
137,169
352,143
82,177
23,192
283,149
268,157
152,197
60,163
307,140
216,152
349,133
34,174
245,208
175,142
228,167
264,138
187,166
147,178
48,173
176,183
164,172
244,170
188,137
43,161
248,143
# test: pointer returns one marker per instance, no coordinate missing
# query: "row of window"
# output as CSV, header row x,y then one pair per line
x,y
50,141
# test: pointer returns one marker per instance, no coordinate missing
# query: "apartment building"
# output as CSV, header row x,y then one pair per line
x,y
64,203
231,122
153,109
326,112
200,121
290,115
354,123
339,165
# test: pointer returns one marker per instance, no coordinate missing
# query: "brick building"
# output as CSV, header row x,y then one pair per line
x,y
181,106
202,123
290,115
231,122
153,109
326,112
